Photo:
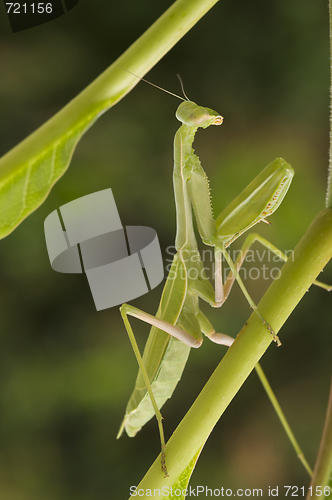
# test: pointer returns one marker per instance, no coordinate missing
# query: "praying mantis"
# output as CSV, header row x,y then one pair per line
x,y
179,323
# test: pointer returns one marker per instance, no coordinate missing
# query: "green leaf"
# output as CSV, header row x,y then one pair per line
x,y
26,187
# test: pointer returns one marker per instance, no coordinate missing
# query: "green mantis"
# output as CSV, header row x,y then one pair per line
x,y
179,323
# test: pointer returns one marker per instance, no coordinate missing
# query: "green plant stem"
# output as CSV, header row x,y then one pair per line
x,y
323,466
111,86
282,418
309,258
329,180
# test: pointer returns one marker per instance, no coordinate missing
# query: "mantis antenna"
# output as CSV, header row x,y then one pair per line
x,y
154,85
182,87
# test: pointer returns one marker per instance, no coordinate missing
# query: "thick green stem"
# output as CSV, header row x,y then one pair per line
x,y
323,467
310,257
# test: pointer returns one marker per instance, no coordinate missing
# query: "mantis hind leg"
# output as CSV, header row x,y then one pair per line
x,y
192,339
148,386
209,331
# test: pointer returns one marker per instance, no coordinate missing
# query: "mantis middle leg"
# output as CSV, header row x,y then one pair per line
x,y
251,238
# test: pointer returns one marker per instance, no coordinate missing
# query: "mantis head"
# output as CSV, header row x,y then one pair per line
x,y
196,116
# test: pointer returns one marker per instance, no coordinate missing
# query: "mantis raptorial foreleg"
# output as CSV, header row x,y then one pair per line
x,y
259,200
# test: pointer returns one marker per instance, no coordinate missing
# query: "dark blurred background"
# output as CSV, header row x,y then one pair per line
x,y
66,371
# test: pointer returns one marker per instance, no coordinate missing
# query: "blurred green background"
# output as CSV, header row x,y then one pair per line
x,y
66,371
